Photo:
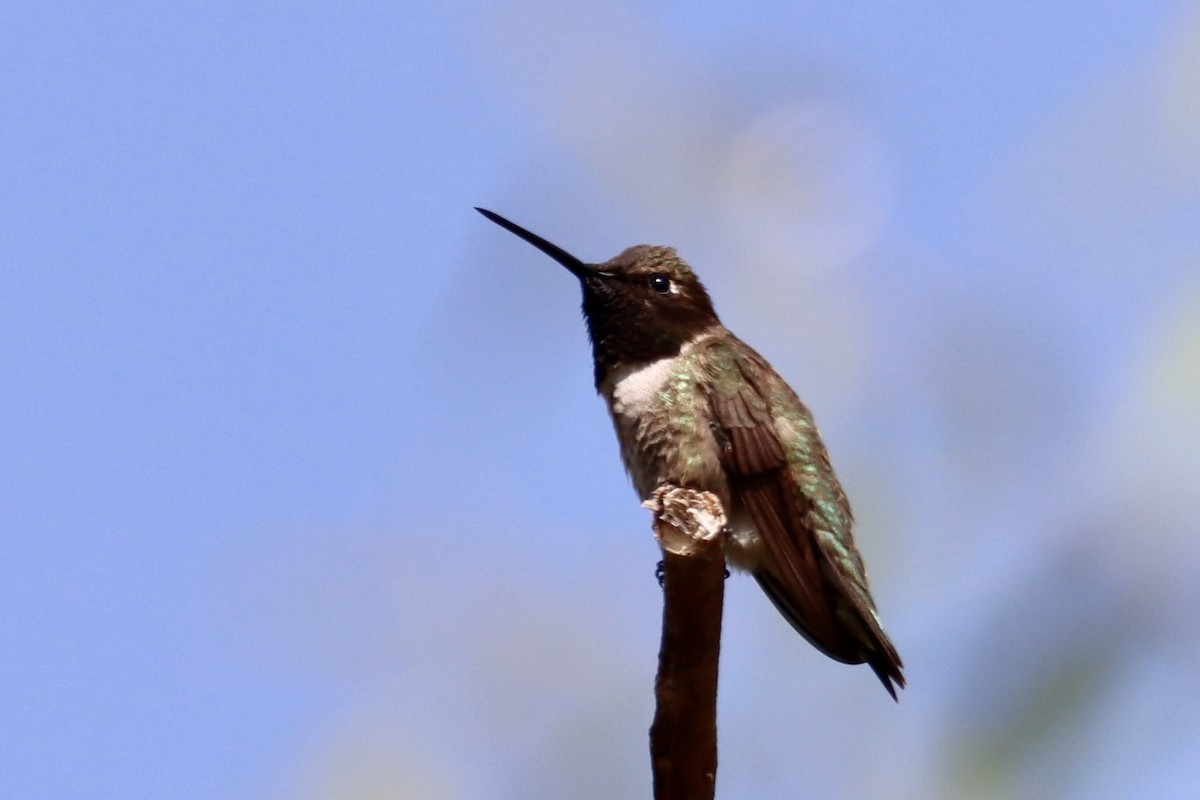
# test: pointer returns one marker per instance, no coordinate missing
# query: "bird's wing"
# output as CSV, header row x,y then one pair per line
x,y
755,460
825,601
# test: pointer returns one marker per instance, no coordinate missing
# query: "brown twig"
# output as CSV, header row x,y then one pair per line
x,y
683,738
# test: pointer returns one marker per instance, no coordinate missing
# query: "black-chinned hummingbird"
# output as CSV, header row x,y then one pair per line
x,y
694,406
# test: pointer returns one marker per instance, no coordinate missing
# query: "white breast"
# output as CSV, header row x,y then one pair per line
x,y
636,390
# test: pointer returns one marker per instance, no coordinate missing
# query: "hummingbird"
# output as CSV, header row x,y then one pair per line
x,y
696,407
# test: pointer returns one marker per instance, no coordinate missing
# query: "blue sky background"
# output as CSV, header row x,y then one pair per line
x,y
306,493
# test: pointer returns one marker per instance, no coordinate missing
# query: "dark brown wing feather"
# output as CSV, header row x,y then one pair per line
x,y
808,591
757,467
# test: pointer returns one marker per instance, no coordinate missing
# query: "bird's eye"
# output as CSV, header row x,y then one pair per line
x,y
660,283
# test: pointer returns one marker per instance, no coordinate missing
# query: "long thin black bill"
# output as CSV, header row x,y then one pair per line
x,y
577,267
